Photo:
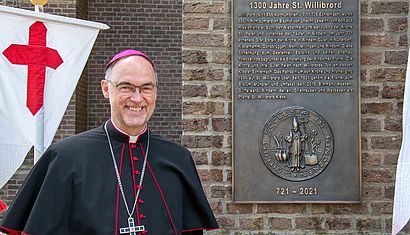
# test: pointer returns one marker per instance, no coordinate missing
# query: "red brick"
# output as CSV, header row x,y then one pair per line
x,y
221,91
371,25
210,175
277,223
339,209
363,7
377,175
210,40
194,57
397,24
251,223
391,159
235,208
200,158
216,207
281,208
221,124
368,224
389,7
393,91
380,208
201,141
221,191
371,159
190,23
388,75
221,24
372,192
203,74
221,57
345,209
226,223
377,41
377,108
308,223
393,123
386,142
202,7
369,91
338,223
395,57
197,124
195,91
370,58
220,158
203,108
371,125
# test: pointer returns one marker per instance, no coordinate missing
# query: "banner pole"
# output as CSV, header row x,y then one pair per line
x,y
39,141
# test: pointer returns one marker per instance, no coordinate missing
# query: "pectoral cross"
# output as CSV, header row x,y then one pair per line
x,y
132,229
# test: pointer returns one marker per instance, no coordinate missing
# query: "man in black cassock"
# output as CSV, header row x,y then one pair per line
x,y
119,178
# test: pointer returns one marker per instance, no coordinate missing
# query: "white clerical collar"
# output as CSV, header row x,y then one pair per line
x,y
132,138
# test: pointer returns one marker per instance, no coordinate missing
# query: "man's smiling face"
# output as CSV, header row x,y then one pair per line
x,y
130,111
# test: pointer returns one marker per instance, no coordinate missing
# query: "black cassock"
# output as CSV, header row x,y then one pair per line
x,y
73,188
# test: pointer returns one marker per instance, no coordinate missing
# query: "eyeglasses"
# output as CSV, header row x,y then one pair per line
x,y
127,88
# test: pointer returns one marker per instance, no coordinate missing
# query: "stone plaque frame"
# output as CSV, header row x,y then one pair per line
x,y
296,101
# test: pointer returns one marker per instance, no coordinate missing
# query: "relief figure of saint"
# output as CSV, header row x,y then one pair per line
x,y
296,141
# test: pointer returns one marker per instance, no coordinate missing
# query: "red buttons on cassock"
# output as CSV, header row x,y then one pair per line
x,y
132,146
139,186
142,216
144,232
140,201
137,172
134,159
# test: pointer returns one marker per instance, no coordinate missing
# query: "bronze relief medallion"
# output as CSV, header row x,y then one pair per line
x,y
296,144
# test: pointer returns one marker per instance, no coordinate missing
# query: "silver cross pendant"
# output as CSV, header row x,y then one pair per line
x,y
132,229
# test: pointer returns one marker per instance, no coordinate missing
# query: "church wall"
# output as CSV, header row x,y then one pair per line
x,y
207,127
203,99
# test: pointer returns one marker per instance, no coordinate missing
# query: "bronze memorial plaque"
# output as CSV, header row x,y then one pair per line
x,y
296,118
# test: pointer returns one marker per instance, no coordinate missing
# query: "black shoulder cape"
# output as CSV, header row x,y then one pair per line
x,y
73,188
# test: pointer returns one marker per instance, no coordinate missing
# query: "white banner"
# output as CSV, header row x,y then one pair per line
x,y
41,55
401,208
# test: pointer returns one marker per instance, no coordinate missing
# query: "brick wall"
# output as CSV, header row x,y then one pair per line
x,y
206,106
207,123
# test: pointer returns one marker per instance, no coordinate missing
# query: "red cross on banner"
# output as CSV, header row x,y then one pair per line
x,y
37,56
36,85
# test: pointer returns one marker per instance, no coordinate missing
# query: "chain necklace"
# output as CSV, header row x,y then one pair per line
x,y
131,228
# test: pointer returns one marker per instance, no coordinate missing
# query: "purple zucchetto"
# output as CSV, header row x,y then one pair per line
x,y
127,53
